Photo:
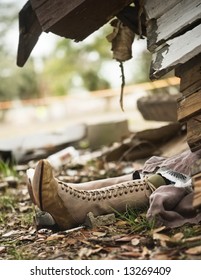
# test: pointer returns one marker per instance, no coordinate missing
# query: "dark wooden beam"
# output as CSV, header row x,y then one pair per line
x,y
29,32
73,19
76,19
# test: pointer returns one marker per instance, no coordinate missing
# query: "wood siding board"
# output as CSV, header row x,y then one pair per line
x,y
197,190
189,106
190,75
156,8
173,22
176,51
194,132
192,89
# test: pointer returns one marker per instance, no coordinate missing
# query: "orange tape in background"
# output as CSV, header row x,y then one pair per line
x,y
173,81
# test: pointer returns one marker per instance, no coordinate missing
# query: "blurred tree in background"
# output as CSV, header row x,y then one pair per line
x,y
15,83
80,65
77,65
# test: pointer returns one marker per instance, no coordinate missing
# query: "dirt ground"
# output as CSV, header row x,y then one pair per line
x,y
130,236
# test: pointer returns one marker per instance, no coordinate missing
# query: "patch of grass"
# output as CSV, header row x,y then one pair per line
x,y
137,220
189,230
3,218
7,203
15,254
7,169
27,219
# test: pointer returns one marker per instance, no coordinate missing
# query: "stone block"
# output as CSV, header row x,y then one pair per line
x,y
106,133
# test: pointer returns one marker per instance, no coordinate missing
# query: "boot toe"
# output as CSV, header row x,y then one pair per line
x,y
42,177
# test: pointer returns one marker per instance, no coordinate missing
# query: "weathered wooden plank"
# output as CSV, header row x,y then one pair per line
x,y
189,106
173,22
197,190
29,32
50,12
76,19
156,8
190,75
175,52
194,133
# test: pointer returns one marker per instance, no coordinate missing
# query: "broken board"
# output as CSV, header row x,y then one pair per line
x,y
175,52
172,23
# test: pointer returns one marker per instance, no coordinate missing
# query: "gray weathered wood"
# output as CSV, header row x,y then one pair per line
x,y
156,8
173,22
176,51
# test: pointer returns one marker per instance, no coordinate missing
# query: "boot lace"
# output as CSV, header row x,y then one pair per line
x,y
107,192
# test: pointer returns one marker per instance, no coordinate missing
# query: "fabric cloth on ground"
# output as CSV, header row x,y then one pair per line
x,y
171,205
180,163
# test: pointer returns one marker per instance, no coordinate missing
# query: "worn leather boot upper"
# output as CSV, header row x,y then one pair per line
x,y
69,206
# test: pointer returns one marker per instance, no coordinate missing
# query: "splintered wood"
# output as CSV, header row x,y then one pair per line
x,y
175,52
173,33
170,24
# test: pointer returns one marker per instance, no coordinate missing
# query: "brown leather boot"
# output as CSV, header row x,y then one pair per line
x,y
69,205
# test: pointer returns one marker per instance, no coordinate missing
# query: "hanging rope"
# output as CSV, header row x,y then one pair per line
x,y
122,85
121,39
